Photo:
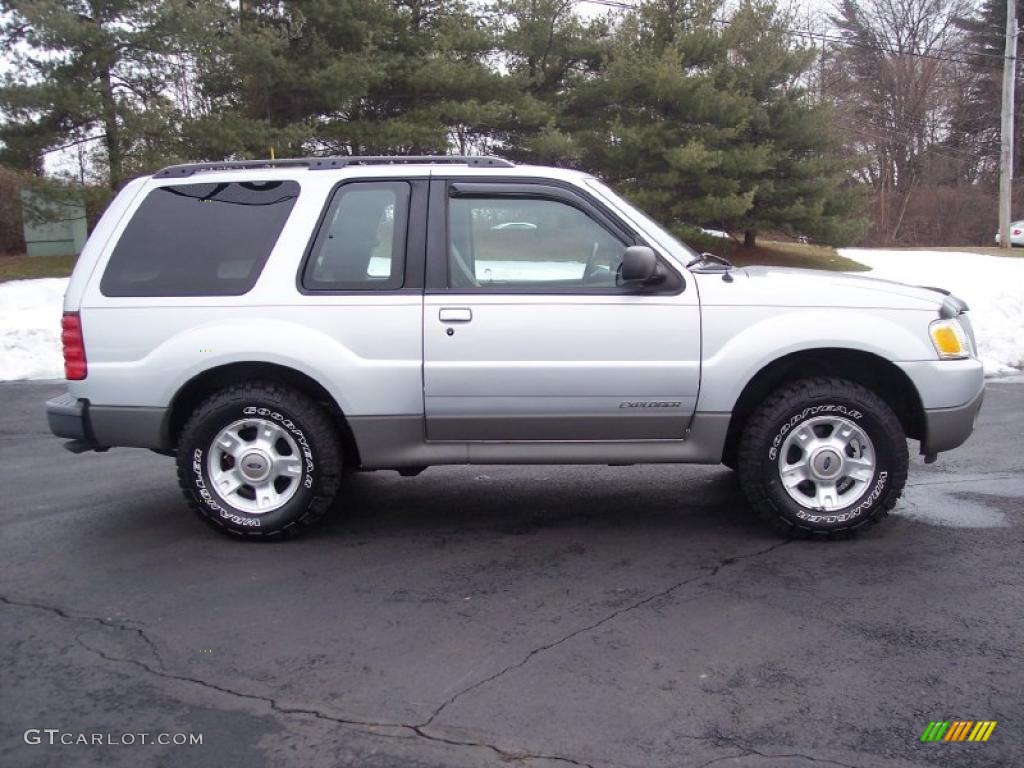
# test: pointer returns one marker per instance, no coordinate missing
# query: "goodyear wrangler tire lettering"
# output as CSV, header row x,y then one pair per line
x,y
807,412
855,446
290,426
300,445
854,513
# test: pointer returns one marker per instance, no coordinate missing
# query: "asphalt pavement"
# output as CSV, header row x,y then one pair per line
x,y
496,616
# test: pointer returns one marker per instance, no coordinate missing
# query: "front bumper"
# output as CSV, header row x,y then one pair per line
x,y
948,428
96,428
951,393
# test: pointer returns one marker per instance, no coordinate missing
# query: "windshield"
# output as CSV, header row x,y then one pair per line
x,y
662,237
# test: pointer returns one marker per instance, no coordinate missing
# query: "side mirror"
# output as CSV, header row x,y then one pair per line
x,y
639,265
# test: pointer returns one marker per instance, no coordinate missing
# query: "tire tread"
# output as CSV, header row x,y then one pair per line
x,y
758,429
316,421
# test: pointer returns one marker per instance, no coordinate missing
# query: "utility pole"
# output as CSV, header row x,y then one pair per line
x,y
1006,149
821,72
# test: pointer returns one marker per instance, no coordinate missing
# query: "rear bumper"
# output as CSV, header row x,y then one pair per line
x,y
92,428
948,428
68,418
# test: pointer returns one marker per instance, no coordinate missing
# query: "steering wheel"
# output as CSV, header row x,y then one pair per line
x,y
592,270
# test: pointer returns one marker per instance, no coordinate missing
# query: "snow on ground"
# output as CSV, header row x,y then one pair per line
x,y
716,233
486,271
30,313
993,286
497,269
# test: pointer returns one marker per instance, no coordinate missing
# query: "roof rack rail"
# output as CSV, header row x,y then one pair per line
x,y
327,163
487,161
181,171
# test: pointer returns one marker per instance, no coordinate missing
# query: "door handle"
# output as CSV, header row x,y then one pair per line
x,y
455,315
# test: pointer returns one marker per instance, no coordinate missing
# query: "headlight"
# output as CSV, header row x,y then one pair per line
x,y
949,339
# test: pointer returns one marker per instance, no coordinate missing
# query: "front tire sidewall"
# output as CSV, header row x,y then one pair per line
x,y
870,503
218,511
841,517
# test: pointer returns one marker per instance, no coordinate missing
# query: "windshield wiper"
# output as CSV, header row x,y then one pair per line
x,y
721,263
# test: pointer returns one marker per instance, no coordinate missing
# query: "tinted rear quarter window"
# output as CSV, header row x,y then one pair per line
x,y
361,242
209,239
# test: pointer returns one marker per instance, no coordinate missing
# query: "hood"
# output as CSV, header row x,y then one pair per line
x,y
786,287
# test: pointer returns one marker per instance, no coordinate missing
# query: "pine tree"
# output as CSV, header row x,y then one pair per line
x,y
361,77
661,123
703,123
548,51
802,186
90,68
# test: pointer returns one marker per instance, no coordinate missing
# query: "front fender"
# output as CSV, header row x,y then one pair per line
x,y
740,341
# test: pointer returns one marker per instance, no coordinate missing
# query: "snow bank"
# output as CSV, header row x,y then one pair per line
x,y
716,233
30,313
993,286
517,270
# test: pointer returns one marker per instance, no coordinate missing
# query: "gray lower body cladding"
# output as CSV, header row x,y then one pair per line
x,y
948,428
91,426
387,442
399,441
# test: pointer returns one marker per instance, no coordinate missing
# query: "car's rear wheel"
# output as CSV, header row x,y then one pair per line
x,y
260,460
823,457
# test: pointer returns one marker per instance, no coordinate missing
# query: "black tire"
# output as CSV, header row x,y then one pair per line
x,y
309,425
784,410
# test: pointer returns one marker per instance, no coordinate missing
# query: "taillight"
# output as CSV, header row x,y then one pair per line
x,y
71,340
1018,231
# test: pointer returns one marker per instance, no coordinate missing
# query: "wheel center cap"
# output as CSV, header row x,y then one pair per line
x,y
254,465
827,463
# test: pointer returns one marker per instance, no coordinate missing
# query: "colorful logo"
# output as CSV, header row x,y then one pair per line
x,y
958,730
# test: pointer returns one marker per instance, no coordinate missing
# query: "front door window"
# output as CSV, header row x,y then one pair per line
x,y
517,243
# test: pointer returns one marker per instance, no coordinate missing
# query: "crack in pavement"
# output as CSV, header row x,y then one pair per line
x,y
720,759
96,619
772,755
364,726
976,477
748,752
374,727
711,571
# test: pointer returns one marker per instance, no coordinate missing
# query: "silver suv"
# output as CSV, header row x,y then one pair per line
x,y
273,323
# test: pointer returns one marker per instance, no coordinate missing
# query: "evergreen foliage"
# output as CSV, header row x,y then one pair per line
x,y
694,108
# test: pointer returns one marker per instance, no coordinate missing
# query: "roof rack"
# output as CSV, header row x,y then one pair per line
x,y
327,163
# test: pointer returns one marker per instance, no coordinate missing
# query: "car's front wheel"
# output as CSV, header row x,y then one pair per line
x,y
259,460
823,457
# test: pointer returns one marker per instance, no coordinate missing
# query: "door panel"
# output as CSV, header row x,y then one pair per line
x,y
537,342
560,369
